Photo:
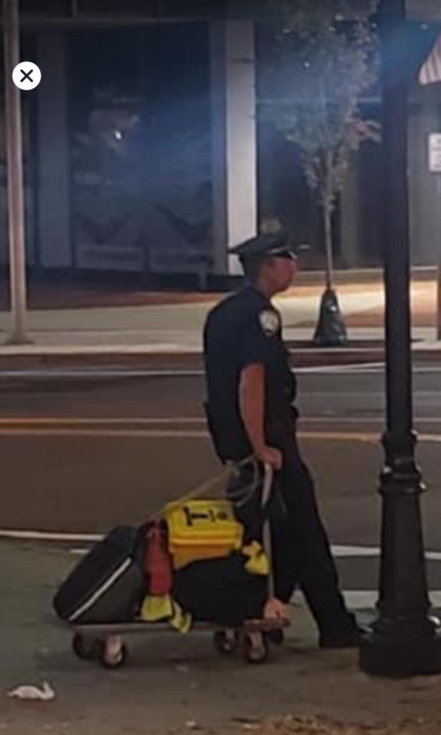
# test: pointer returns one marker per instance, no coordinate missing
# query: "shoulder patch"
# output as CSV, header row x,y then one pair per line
x,y
270,322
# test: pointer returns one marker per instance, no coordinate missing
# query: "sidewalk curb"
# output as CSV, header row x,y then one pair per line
x,y
302,356
312,357
361,275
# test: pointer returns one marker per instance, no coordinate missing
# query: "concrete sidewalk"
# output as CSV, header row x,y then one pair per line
x,y
177,684
138,333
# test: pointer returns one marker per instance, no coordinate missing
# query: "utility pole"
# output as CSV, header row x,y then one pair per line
x,y
14,146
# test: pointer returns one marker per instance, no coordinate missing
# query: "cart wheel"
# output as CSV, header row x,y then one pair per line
x,y
85,648
255,648
226,642
112,659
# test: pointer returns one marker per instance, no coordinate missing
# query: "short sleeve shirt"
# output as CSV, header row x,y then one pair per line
x,y
246,329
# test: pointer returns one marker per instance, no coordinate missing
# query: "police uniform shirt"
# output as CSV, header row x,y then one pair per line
x,y
242,330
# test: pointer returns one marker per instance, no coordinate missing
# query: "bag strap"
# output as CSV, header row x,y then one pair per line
x,y
203,488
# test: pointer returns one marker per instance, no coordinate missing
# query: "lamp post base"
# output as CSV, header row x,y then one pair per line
x,y
402,648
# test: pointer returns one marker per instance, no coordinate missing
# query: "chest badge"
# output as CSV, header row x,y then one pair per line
x,y
270,322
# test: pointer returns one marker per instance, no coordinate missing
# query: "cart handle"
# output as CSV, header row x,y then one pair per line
x,y
266,535
267,484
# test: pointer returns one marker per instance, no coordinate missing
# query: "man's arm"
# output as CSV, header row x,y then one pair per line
x,y
252,411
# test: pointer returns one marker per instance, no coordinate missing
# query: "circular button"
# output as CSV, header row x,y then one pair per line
x,y
26,75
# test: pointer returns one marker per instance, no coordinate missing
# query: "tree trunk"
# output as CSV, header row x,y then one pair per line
x,y
327,216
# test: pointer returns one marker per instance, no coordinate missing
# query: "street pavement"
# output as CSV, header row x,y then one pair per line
x,y
84,452
142,326
175,685
80,454
87,447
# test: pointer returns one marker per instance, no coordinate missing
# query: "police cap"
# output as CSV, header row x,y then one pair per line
x,y
266,245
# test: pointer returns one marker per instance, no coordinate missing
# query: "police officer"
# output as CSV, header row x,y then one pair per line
x,y
251,392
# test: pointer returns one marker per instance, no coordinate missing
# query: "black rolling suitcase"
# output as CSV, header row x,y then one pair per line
x,y
108,584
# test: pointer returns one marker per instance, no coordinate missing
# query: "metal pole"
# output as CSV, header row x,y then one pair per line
x,y
17,255
438,278
404,640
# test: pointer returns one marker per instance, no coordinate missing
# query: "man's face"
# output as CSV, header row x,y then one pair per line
x,y
281,272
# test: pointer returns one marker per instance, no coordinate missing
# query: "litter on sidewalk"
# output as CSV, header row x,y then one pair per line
x,y
45,693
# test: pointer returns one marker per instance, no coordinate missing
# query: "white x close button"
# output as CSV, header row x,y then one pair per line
x,y
26,75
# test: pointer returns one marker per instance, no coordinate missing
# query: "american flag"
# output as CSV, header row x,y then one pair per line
x,y
430,72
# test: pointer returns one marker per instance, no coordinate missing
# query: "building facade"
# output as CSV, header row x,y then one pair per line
x,y
145,152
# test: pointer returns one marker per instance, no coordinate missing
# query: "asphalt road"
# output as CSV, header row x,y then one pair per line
x,y
83,452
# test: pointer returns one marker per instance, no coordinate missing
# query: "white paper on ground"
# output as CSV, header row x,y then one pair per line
x,y
45,693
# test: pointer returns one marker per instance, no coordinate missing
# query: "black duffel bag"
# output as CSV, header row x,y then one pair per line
x,y
221,591
108,584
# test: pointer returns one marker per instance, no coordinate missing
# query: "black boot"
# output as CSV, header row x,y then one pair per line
x,y
348,637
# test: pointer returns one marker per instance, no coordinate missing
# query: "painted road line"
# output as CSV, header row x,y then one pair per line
x,y
103,433
185,420
94,421
85,430
135,433
372,552
353,369
36,374
58,537
365,599
79,552
111,373
372,421
338,550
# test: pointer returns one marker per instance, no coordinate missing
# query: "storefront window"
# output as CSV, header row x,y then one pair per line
x,y
141,195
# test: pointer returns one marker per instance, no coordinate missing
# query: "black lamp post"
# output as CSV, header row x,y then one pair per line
x,y
404,640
